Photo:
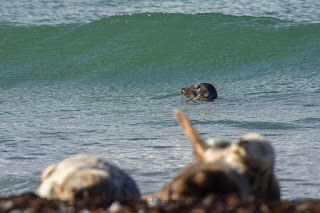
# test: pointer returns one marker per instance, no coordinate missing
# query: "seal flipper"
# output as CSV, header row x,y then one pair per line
x,y
199,146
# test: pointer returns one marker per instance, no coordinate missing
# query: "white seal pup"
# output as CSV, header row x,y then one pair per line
x,y
251,156
84,176
200,91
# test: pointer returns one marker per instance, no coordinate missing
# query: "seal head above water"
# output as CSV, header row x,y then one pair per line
x,y
200,91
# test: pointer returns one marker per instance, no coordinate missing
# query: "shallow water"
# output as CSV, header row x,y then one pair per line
x,y
105,84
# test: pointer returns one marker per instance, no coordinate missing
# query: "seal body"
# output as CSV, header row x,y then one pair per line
x,y
199,179
200,91
84,176
251,156
244,166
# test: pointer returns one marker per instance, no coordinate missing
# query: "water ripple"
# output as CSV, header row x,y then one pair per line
x,y
255,125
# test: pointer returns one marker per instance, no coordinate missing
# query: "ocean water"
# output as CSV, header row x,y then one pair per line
x,y
103,77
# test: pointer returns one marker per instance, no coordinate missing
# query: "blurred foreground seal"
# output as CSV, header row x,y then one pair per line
x,y
86,176
244,166
251,156
198,180
200,91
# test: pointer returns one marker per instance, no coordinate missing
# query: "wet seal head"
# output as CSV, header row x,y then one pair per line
x,y
251,156
86,176
200,91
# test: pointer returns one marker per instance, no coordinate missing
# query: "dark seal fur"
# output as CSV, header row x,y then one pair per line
x,y
199,179
200,91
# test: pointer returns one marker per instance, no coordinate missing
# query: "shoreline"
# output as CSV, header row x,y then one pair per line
x,y
30,202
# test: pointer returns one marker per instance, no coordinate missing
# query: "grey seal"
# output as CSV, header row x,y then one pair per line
x,y
197,180
251,155
200,91
244,166
86,176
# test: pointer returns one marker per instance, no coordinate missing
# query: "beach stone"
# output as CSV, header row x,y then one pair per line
x,y
86,176
210,203
200,91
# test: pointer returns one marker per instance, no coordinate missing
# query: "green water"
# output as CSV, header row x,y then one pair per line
x,y
108,87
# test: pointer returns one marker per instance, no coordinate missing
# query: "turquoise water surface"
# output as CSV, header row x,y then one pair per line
x,y
102,78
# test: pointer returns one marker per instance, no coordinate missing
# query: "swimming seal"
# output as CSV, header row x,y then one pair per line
x,y
200,91
86,176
